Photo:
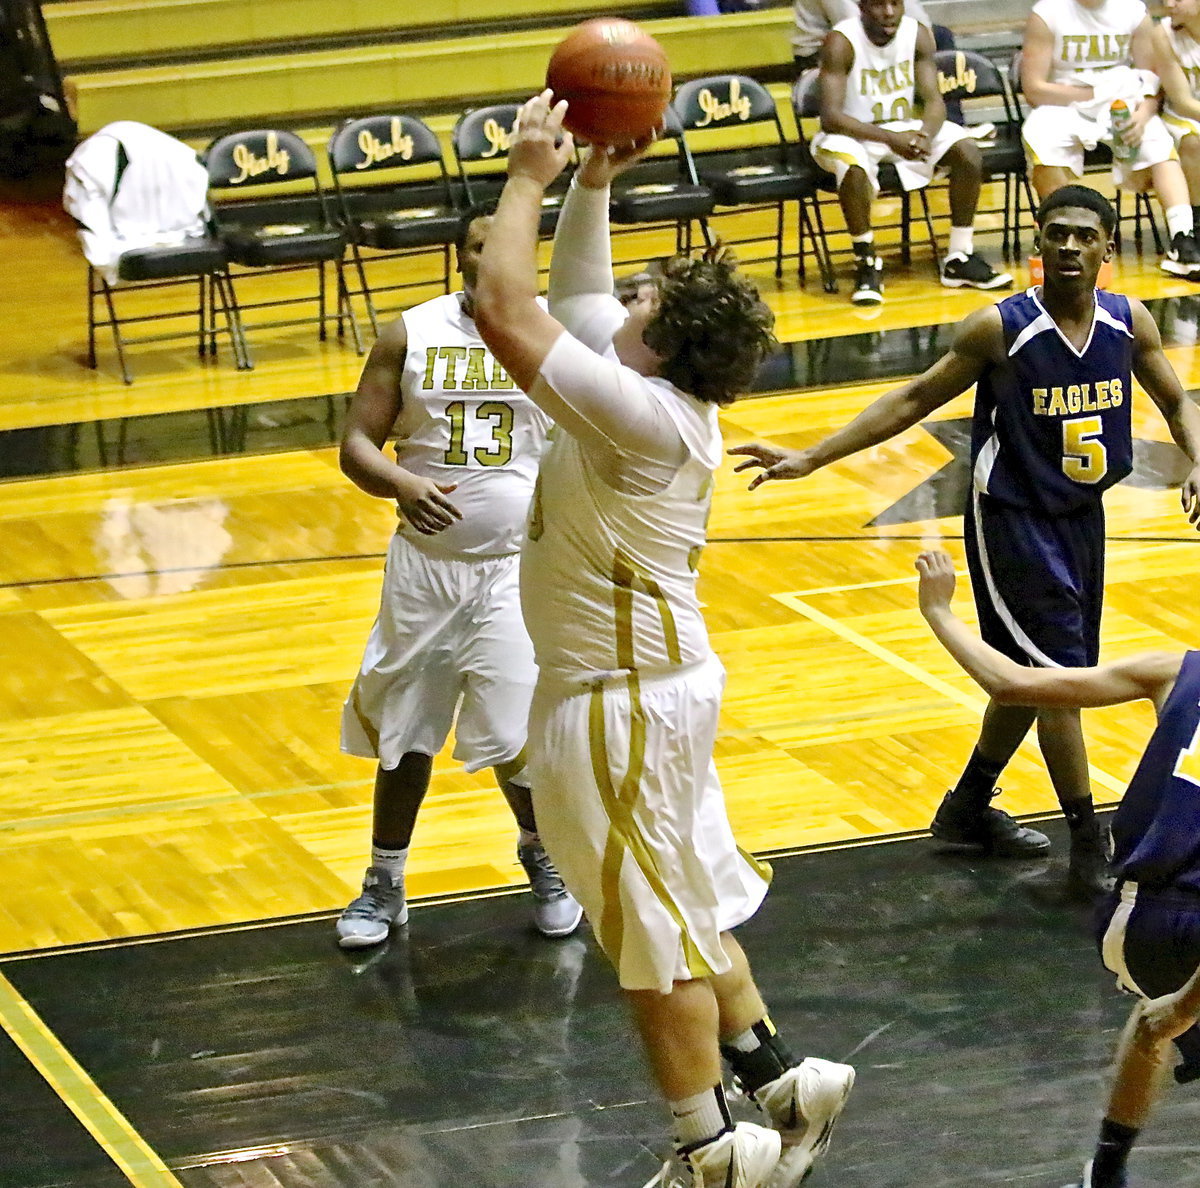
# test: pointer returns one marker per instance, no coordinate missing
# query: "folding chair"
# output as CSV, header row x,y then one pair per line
x,y
394,199
480,141
763,170
970,77
138,197
663,190
287,232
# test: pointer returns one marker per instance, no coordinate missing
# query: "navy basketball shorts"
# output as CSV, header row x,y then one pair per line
x,y
1038,580
1153,937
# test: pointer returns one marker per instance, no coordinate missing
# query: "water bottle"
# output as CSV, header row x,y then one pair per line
x,y
1121,117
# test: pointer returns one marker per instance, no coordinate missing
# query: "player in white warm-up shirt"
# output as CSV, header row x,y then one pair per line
x,y
880,102
1177,60
449,647
1078,58
625,713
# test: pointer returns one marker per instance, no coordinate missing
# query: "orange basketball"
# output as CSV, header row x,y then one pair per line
x,y
615,78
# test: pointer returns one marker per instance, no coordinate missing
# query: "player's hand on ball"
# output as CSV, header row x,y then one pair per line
x,y
603,162
937,581
773,462
424,505
540,147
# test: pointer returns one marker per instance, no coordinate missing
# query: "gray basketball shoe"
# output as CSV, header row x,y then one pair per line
x,y
555,911
368,919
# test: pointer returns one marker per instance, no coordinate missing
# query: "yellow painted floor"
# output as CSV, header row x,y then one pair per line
x,y
178,639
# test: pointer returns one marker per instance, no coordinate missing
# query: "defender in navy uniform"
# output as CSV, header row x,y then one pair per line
x,y
1052,431
1149,928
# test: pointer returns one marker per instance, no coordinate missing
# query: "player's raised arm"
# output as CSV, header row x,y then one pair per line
x,y
979,342
371,416
518,331
1155,373
1149,675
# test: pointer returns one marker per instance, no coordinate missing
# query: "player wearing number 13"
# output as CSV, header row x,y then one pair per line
x,y
1052,431
449,645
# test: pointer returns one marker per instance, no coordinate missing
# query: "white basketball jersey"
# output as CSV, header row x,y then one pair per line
x,y
1087,40
881,86
1187,50
608,580
464,421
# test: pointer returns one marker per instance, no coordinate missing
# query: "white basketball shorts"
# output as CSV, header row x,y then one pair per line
x,y
449,637
838,153
1058,136
631,811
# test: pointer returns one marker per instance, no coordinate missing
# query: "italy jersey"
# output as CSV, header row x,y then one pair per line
x,y
464,421
1052,429
881,86
1088,40
1156,830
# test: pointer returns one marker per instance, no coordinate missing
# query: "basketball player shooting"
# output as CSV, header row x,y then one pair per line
x,y
1052,431
625,712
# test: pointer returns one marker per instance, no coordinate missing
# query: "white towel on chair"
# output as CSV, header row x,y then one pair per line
x,y
159,200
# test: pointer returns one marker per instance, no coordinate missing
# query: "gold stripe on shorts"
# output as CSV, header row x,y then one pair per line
x,y
760,868
363,721
624,837
514,767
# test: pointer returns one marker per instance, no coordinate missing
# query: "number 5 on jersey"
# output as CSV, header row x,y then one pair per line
x,y
1085,459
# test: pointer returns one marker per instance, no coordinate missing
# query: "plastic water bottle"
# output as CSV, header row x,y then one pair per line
x,y
1121,117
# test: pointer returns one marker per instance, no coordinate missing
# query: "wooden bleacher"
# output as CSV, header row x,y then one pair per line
x,y
307,86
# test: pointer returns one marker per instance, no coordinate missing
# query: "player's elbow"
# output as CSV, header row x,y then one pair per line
x,y
1006,691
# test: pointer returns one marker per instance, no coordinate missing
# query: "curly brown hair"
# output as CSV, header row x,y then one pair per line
x,y
711,329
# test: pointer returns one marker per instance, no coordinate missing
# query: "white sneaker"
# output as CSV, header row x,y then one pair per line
x,y
743,1157
368,919
803,1105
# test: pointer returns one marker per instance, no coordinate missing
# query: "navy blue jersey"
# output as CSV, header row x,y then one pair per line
x,y
1156,831
1052,428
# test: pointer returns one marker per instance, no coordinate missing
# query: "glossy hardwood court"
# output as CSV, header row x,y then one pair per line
x,y
179,638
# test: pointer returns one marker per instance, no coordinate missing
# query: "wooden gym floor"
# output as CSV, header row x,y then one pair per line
x,y
180,629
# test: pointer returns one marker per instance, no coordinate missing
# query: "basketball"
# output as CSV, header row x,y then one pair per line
x,y
615,78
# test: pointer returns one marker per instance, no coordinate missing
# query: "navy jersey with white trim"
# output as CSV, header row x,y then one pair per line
x,y
1156,830
1052,429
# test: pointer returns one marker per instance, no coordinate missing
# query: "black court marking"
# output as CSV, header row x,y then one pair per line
x,y
41,1141
311,421
881,538
470,1052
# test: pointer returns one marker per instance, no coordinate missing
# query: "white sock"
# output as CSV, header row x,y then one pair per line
x,y
525,838
867,240
1180,220
962,241
700,1119
390,860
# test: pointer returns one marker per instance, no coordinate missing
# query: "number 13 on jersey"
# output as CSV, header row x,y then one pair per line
x,y
497,451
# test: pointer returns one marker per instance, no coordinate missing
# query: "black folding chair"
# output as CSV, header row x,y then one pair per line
x,y
764,171
289,231
393,195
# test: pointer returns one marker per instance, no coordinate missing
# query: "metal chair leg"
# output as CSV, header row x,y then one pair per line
x,y
116,329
